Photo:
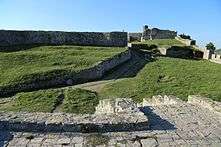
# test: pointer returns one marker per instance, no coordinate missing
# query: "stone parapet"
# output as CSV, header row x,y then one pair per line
x,y
110,115
12,37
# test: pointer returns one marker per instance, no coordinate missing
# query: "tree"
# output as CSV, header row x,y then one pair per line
x,y
210,46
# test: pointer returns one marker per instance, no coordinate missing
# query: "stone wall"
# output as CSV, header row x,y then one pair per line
x,y
125,117
134,37
10,38
188,42
61,78
156,33
209,55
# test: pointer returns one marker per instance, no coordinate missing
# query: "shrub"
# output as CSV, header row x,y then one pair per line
x,y
210,46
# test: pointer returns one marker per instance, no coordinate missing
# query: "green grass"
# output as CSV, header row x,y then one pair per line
x,y
170,76
75,101
162,42
49,61
79,101
38,101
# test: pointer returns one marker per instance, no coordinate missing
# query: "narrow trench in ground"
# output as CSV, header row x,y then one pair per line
x,y
59,102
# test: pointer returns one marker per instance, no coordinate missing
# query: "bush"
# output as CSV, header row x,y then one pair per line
x,y
210,46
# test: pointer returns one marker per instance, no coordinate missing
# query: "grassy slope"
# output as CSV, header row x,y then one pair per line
x,y
24,65
38,101
162,42
79,101
170,76
75,101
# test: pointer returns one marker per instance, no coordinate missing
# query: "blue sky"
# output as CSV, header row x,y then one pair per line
x,y
199,18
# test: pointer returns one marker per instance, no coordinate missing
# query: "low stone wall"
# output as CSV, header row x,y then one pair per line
x,y
58,122
127,117
180,52
188,42
161,100
11,38
62,78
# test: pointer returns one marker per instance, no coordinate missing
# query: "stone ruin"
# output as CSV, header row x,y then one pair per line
x,y
149,34
155,33
117,106
211,55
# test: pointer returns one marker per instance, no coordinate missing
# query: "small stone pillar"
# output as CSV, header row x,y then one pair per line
x,y
213,56
218,57
207,54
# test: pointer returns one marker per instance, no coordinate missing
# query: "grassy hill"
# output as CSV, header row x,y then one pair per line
x,y
162,76
20,66
170,76
70,101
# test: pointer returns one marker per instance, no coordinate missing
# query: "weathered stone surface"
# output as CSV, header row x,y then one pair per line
x,y
156,33
205,102
187,42
125,105
10,38
161,100
124,117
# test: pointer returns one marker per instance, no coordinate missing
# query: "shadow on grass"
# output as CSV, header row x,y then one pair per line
x,y
132,67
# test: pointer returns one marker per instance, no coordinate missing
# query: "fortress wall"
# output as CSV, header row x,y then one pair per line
x,y
187,42
10,38
158,34
134,37
67,78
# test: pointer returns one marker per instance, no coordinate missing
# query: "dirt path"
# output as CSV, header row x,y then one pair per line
x,y
126,70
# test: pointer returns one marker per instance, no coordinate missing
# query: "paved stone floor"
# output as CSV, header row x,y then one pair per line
x,y
170,125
